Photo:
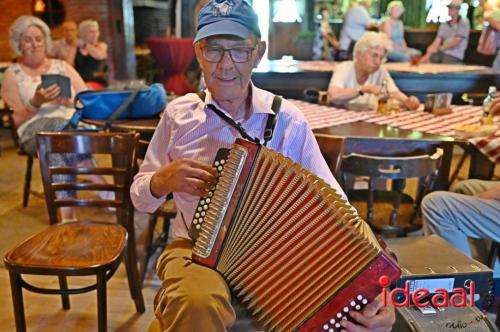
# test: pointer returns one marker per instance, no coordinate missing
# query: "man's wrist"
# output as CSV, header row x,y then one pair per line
x,y
34,105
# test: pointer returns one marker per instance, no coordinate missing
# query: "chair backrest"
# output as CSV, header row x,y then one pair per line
x,y
332,149
9,112
116,152
392,167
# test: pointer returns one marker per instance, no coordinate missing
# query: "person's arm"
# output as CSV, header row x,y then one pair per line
x,y
385,27
409,102
495,24
495,105
332,41
98,52
451,43
490,194
339,93
10,94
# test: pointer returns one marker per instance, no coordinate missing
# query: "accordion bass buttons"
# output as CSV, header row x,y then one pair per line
x,y
333,324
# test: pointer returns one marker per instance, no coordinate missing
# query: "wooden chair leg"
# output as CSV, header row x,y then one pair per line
x,y
133,271
148,247
17,300
101,302
27,181
63,285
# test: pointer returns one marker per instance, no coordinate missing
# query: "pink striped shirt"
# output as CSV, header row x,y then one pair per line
x,y
189,130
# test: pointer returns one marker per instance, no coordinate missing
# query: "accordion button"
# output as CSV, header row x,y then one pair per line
x,y
337,325
202,202
219,168
203,213
339,315
195,221
353,303
200,208
216,163
332,321
359,297
358,307
330,330
365,301
222,162
207,200
198,226
197,215
326,327
346,309
205,207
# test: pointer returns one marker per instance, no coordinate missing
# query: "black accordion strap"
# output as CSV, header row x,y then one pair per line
x,y
272,119
270,124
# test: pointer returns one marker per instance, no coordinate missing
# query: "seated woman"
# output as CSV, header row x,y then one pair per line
x,y
357,84
91,55
393,27
35,108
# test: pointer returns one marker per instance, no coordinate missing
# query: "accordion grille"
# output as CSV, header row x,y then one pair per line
x,y
292,244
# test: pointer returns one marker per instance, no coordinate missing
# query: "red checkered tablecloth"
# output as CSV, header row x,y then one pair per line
x,y
325,116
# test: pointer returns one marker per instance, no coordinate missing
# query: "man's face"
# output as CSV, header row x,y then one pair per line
x,y
226,79
453,12
70,31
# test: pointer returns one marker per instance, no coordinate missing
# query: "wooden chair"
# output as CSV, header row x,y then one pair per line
x,y
29,158
80,248
397,169
332,149
165,212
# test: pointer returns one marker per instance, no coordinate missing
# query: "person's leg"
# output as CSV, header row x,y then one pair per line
x,y
455,217
445,58
496,62
192,297
473,186
398,56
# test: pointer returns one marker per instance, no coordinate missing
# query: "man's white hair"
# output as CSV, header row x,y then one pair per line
x,y
371,39
19,27
85,25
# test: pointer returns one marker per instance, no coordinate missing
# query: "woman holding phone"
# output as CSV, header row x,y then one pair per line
x,y
38,106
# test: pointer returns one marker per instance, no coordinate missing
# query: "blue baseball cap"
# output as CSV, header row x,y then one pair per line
x,y
227,17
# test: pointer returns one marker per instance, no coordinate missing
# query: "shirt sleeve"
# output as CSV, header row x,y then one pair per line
x,y
463,29
339,77
156,157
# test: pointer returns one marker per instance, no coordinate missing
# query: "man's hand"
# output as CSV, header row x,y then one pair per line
x,y
411,103
184,175
373,318
490,194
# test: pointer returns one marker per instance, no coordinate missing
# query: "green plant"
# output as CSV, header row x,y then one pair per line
x,y
304,36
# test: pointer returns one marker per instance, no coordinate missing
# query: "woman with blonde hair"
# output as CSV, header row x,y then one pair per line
x,y
394,29
358,83
38,108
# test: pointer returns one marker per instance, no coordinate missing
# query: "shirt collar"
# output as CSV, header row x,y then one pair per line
x,y
261,103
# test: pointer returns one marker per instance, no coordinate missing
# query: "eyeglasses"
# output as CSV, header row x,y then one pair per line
x,y
237,54
376,56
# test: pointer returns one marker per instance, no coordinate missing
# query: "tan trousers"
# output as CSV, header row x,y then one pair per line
x,y
192,297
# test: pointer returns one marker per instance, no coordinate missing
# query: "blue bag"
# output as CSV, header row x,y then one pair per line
x,y
135,104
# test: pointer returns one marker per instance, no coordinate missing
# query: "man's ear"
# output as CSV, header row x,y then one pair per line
x,y
260,52
197,52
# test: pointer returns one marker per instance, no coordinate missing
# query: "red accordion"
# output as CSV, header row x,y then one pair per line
x,y
292,249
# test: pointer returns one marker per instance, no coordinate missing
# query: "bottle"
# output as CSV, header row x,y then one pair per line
x,y
383,98
488,100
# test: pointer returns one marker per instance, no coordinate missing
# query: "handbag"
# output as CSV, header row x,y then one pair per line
x,y
110,105
488,41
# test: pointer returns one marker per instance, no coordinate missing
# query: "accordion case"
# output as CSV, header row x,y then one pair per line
x,y
290,247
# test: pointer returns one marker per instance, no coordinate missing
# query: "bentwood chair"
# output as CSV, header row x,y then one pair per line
x,y
81,248
332,149
425,168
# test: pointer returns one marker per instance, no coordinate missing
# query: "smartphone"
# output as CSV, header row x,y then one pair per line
x,y
61,80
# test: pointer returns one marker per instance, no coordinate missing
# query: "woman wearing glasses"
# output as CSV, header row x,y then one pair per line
x,y
357,84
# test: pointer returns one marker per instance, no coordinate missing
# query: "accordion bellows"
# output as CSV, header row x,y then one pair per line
x,y
292,249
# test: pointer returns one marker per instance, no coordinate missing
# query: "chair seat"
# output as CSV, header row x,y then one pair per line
x,y
74,245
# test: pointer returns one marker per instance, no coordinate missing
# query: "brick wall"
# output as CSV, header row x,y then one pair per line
x,y
77,10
